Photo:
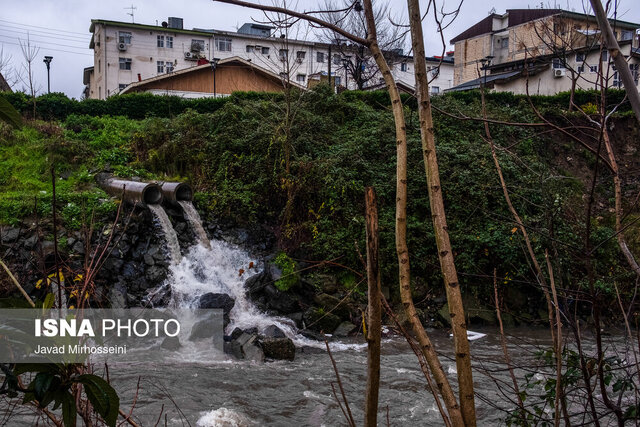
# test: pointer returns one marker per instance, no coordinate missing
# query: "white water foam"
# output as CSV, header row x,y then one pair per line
x,y
218,270
223,417
170,236
193,218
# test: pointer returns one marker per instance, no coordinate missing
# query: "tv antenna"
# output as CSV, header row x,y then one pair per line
x,y
132,8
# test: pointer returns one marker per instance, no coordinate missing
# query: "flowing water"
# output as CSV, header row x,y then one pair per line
x,y
170,236
225,392
193,218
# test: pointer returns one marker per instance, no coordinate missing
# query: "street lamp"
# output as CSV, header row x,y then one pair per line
x,y
486,62
346,60
214,65
47,60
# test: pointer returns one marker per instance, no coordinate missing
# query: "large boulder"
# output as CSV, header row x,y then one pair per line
x,y
246,346
214,300
279,348
320,321
344,329
272,331
202,329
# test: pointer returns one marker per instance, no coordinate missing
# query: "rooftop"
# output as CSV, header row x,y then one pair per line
x,y
520,16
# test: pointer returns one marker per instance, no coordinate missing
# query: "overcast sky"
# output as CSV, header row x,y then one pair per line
x,y
61,28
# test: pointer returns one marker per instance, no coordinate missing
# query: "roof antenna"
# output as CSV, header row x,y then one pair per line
x,y
132,7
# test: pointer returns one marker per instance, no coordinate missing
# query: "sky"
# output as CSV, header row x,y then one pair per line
x,y
60,28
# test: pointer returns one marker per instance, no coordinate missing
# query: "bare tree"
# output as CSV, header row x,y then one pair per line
x,y
426,347
614,50
29,53
356,59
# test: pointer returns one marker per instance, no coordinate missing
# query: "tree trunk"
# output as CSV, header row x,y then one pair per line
x,y
374,311
617,185
438,215
401,224
622,67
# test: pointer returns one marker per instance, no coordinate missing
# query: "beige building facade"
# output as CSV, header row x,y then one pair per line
x,y
567,42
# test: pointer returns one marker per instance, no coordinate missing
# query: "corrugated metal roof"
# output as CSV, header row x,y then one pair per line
x,y
479,82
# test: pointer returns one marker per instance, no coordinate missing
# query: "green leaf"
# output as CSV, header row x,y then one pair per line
x,y
102,396
69,410
9,114
48,302
41,385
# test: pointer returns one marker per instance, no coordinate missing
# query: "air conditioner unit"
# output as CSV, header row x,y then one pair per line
x,y
559,72
191,56
122,46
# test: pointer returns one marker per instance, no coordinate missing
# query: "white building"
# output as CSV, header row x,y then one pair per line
x,y
129,52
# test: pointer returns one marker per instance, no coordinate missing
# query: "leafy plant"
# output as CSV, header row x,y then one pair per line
x,y
55,384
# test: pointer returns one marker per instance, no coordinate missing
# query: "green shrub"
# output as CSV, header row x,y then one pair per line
x,y
289,276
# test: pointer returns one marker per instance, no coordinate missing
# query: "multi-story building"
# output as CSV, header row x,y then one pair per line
x,y
552,49
129,52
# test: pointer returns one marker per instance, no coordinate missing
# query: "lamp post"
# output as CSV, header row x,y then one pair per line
x,y
47,60
214,65
486,62
346,60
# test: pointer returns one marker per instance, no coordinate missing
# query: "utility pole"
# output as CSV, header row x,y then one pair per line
x,y
47,60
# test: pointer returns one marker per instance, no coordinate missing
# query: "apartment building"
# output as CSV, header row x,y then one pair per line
x,y
553,49
130,52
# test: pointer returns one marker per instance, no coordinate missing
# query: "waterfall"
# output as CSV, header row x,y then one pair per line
x,y
170,236
191,214
218,270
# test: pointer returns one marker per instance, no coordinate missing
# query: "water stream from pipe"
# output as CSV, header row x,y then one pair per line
x,y
193,218
170,236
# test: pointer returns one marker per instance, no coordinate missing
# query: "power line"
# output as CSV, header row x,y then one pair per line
x,y
44,28
51,48
45,33
43,42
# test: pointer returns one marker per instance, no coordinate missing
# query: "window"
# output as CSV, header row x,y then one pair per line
x,y
504,42
124,37
284,76
300,78
635,72
250,48
121,86
337,60
160,41
125,63
99,66
168,66
160,65
301,54
605,56
169,42
558,63
337,80
283,54
223,44
435,89
593,69
580,69
320,57
197,45
617,82
626,35
580,57
403,66
265,51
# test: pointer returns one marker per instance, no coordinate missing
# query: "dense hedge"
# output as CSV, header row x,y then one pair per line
x,y
57,106
304,178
